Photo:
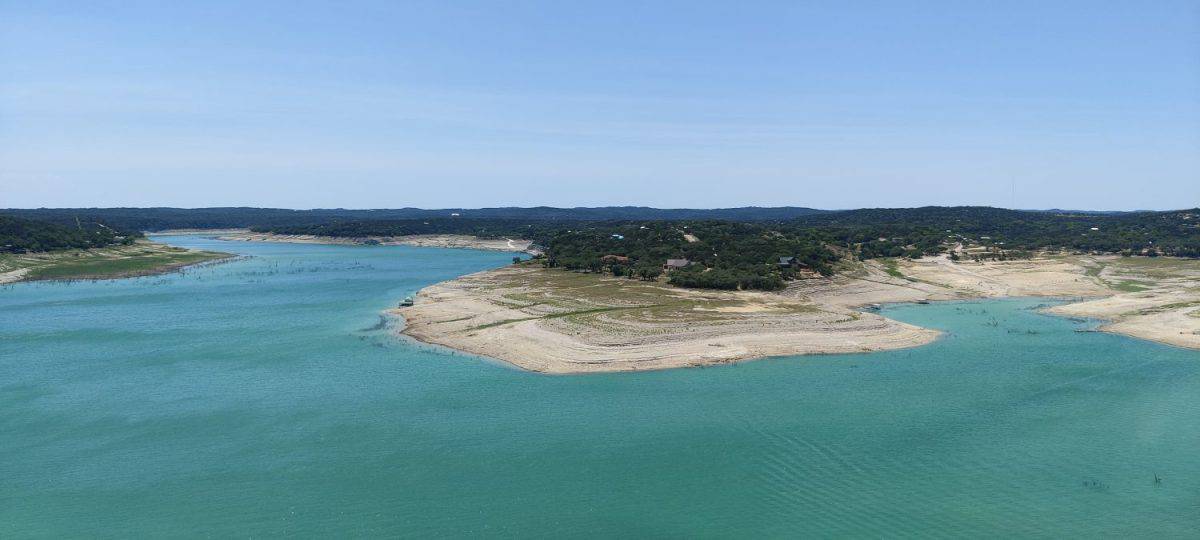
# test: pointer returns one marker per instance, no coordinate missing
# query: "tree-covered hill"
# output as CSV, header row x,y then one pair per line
x,y
922,231
746,255
718,254
22,235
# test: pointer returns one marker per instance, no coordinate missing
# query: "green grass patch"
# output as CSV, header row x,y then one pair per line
x,y
892,268
143,258
1131,285
100,267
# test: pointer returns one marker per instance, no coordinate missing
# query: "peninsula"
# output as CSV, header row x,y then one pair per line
x,y
660,294
557,321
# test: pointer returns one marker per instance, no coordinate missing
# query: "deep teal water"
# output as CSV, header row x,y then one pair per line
x,y
260,398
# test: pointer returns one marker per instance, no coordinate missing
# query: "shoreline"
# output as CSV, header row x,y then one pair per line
x,y
1151,299
207,232
221,258
115,262
459,241
500,315
1162,327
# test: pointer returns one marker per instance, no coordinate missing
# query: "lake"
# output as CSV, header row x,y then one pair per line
x,y
267,397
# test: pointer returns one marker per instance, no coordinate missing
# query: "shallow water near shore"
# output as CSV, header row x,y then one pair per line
x,y
263,397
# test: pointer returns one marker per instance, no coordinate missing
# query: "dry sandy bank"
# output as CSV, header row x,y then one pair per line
x,y
427,240
13,276
560,322
1149,298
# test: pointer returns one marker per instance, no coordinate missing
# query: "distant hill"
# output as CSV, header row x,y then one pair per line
x,y
643,213
157,219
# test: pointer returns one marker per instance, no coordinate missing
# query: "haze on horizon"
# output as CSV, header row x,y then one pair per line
x,y
1080,105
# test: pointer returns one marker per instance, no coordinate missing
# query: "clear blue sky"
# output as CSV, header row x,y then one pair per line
x,y
1088,104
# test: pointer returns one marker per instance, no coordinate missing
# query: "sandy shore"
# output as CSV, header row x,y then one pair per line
x,y
1149,298
425,240
558,322
13,276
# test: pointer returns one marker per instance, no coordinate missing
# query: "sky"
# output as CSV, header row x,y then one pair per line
x,y
841,104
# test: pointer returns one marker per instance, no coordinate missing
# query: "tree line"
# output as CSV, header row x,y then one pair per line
x,y
23,236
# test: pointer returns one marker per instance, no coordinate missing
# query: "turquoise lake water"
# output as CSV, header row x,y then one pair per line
x,y
263,398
